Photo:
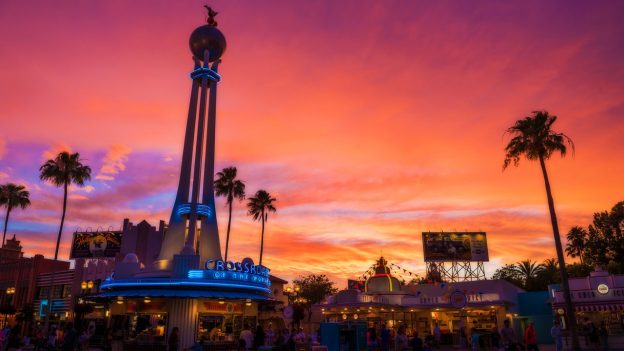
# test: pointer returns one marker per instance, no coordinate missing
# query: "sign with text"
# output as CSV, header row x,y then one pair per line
x,y
455,246
96,244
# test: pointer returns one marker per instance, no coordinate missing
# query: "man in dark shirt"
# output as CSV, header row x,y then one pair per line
x,y
385,337
71,338
417,343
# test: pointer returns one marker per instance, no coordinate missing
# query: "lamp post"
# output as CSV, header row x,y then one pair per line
x,y
292,292
10,293
8,308
86,287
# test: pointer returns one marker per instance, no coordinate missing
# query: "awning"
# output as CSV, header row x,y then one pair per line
x,y
184,293
600,308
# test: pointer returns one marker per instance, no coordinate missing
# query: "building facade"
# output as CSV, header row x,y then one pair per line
x,y
19,274
472,306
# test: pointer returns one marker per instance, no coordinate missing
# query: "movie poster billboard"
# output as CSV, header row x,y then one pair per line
x,y
455,246
95,244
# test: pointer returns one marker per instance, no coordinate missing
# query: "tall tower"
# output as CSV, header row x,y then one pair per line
x,y
193,227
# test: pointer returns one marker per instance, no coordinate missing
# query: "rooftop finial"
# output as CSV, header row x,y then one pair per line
x,y
211,15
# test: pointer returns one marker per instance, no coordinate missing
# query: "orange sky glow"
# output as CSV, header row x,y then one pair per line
x,y
370,121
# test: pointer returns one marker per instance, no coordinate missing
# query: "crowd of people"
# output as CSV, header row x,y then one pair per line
x,y
284,339
60,337
381,338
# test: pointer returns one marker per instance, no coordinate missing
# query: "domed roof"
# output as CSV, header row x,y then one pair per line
x,y
382,281
209,38
131,258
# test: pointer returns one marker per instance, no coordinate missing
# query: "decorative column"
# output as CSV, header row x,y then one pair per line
x,y
182,313
193,229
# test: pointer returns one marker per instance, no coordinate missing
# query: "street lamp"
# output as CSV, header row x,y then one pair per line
x,y
292,292
86,286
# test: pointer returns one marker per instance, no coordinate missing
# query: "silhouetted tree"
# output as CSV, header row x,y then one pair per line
x,y
577,242
527,271
12,196
258,208
602,244
509,273
227,185
313,289
533,138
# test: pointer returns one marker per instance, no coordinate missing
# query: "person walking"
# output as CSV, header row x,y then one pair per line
x,y
530,338
174,339
385,337
269,336
508,335
247,337
557,335
371,338
604,336
400,341
417,342
437,335
70,340
259,337
463,337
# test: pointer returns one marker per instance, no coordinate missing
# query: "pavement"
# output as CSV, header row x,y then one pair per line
x,y
543,347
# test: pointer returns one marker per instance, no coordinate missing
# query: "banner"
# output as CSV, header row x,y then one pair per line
x,y
355,284
95,244
455,246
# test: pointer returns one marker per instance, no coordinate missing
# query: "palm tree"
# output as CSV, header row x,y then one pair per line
x,y
527,270
577,242
550,265
258,208
64,170
227,185
12,196
533,138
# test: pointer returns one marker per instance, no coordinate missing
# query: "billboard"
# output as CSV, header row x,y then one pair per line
x,y
95,244
454,246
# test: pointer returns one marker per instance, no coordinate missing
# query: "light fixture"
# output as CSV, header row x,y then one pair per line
x,y
107,313
90,284
344,316
83,285
297,288
147,299
247,303
120,300
221,302
355,316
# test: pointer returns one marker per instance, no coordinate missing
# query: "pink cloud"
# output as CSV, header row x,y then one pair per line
x,y
114,162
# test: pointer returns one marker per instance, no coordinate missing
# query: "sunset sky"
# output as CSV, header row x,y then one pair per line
x,y
369,121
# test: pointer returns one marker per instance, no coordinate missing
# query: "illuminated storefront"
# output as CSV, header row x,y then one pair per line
x,y
598,297
481,306
211,304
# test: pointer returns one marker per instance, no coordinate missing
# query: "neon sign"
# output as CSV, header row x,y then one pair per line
x,y
241,267
212,274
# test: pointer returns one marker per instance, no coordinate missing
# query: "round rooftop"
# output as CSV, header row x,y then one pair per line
x,y
382,281
207,37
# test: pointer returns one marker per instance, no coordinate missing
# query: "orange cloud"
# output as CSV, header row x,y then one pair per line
x,y
54,150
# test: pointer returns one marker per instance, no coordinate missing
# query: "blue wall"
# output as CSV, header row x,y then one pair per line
x,y
534,306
